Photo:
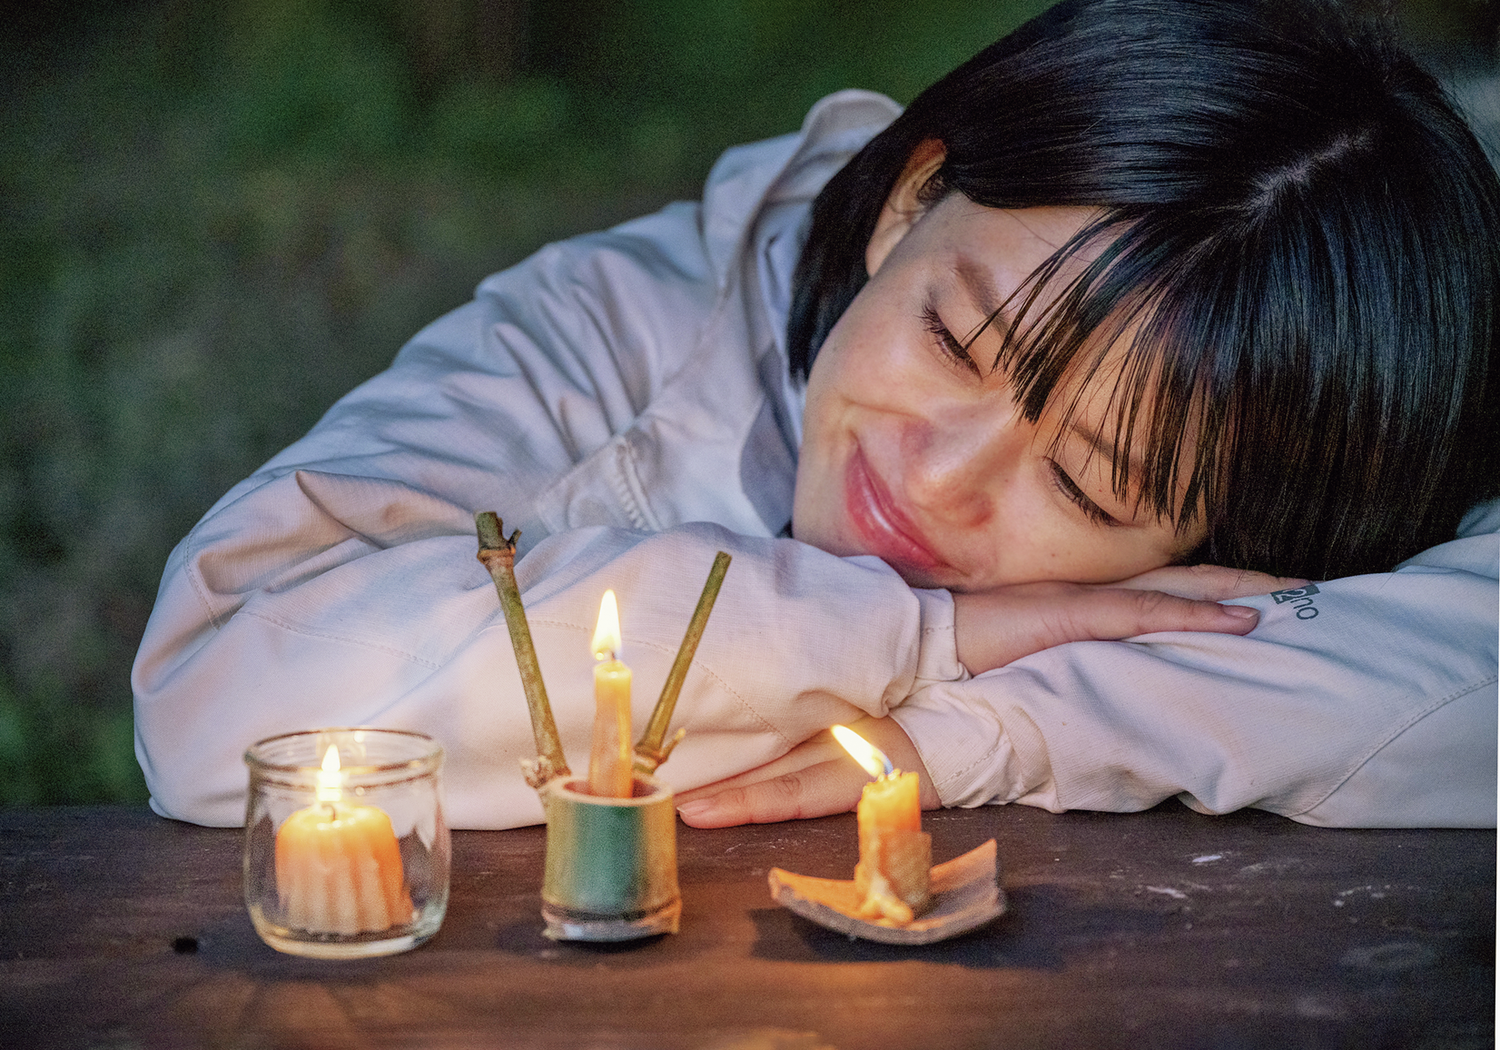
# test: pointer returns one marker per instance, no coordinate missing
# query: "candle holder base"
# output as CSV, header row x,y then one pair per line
x,y
611,871
965,896
565,924
315,946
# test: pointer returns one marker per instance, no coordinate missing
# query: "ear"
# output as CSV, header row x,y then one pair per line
x,y
904,207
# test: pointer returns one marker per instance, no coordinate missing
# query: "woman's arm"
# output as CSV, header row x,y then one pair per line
x,y
1369,701
321,600
991,630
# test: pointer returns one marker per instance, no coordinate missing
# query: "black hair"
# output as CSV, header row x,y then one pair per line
x,y
1297,229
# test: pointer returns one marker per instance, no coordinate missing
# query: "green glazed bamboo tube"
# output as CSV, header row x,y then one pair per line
x,y
611,869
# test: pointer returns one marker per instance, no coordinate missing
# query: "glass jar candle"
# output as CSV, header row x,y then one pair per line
x,y
346,849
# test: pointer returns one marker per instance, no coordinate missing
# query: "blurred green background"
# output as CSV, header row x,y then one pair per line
x,y
218,216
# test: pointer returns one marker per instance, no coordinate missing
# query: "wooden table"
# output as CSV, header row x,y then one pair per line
x,y
1163,929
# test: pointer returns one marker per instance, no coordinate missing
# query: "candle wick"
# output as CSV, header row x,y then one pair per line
x,y
890,770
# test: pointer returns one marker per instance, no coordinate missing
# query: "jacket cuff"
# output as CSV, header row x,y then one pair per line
x,y
937,651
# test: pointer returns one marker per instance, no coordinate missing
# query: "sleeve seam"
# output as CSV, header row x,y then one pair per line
x,y
345,639
1391,738
190,570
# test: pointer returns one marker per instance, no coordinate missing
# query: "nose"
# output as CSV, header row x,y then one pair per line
x,y
957,463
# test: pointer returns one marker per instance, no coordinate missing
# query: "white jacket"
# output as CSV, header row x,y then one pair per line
x,y
623,399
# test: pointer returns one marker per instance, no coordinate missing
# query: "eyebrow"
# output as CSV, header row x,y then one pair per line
x,y
980,287
979,283
1095,439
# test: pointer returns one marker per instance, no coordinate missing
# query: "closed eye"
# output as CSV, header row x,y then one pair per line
x,y
1075,495
950,346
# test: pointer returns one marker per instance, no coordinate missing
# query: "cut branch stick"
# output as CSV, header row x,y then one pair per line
x,y
499,556
649,753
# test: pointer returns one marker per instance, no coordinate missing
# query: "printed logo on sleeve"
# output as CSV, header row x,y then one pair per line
x,y
1301,599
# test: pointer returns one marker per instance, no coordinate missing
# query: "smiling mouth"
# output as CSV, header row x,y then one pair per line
x,y
884,530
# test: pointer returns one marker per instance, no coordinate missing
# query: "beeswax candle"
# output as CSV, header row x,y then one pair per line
x,y
338,866
895,854
610,758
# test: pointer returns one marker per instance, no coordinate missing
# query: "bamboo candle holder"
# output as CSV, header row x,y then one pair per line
x,y
611,868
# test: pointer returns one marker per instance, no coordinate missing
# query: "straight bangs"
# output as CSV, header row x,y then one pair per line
x,y
1129,327
1253,370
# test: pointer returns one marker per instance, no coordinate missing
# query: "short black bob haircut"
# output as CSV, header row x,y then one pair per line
x,y
1304,233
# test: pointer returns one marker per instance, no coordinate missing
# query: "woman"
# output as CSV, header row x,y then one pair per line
x,y
1145,284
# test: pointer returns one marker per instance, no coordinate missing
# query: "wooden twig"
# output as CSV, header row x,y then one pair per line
x,y
649,753
499,556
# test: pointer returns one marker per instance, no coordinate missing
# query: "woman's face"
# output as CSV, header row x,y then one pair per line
x,y
913,448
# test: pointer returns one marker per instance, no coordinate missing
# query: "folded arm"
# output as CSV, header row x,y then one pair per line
x,y
320,599
1369,701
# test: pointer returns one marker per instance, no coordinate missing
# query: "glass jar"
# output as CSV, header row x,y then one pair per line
x,y
346,849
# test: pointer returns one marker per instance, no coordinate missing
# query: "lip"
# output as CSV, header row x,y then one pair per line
x,y
885,531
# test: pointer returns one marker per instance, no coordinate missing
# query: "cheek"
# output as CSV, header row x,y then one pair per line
x,y
823,427
865,347
821,411
845,376
1108,559
1033,538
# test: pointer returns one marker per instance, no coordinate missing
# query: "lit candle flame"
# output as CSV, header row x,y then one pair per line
x,y
330,783
865,753
607,632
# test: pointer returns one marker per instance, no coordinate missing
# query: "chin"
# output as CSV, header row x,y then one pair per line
x,y
923,579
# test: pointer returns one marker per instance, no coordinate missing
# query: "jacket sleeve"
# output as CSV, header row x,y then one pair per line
x,y
325,599
1362,702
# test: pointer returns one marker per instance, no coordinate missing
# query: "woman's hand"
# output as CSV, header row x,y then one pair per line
x,y
813,779
994,627
817,777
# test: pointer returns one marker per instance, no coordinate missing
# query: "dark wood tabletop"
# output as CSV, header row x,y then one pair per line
x,y
120,929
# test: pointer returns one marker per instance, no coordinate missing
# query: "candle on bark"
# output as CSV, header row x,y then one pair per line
x,y
610,759
338,866
895,854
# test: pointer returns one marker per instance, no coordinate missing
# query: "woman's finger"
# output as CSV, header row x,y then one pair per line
x,y
811,752
995,628
1121,613
814,791
1213,583
816,778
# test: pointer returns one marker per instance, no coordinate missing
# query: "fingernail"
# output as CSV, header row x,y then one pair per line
x,y
1241,612
697,808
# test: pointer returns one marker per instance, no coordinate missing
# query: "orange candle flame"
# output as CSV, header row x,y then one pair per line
x,y
607,630
330,783
865,753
